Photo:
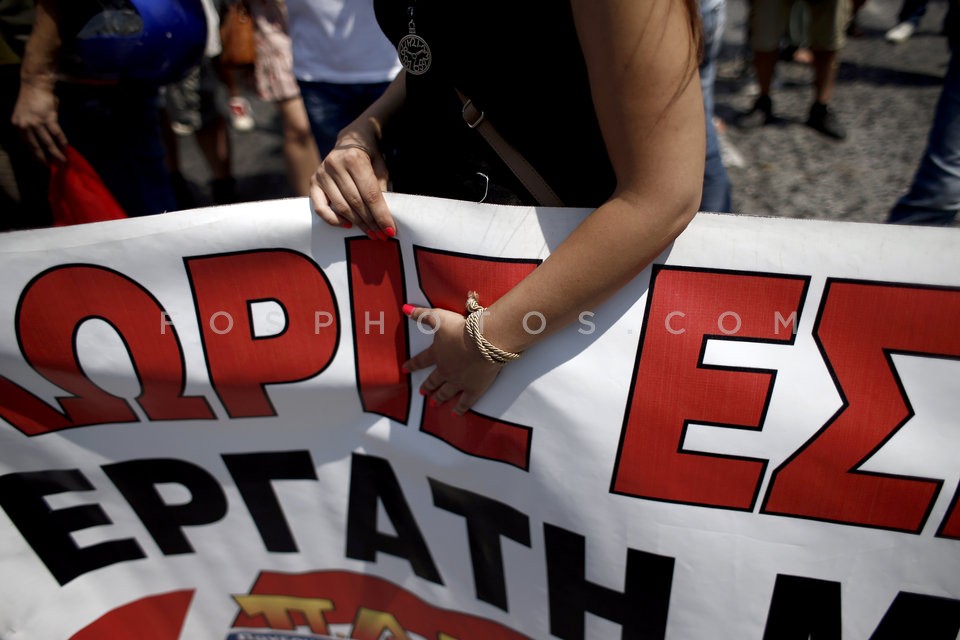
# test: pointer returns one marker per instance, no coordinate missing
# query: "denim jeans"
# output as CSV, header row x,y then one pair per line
x,y
911,11
934,196
331,107
716,182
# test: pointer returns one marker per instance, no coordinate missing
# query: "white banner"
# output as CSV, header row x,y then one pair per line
x,y
205,433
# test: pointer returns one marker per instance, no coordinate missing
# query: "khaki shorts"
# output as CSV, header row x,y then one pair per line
x,y
828,23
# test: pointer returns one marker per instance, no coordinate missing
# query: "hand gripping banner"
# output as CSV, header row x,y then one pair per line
x,y
206,433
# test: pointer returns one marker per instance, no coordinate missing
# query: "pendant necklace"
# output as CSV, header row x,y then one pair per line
x,y
414,52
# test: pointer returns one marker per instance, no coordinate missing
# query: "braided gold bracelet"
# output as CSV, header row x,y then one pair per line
x,y
490,352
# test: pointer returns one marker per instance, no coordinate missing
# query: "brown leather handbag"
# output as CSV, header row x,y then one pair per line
x,y
236,36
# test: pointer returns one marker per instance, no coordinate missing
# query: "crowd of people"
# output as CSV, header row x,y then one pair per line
x,y
320,63
591,103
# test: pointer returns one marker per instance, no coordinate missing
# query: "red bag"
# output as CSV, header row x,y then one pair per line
x,y
78,195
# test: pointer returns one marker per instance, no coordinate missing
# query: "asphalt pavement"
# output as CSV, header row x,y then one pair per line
x,y
885,97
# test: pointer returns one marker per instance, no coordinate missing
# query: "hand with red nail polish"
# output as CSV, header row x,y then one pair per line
x,y
459,372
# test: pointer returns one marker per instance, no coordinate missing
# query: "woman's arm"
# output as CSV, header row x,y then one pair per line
x,y
642,62
349,183
35,113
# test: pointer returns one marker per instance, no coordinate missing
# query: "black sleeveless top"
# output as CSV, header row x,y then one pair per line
x,y
520,62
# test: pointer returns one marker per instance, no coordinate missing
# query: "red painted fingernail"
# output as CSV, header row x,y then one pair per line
x,y
347,225
408,309
381,235
390,231
371,235
422,392
403,369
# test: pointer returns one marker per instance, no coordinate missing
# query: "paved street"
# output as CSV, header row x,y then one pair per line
x,y
885,97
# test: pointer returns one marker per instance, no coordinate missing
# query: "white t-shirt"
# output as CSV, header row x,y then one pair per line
x,y
339,41
213,47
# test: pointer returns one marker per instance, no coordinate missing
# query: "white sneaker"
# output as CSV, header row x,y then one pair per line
x,y
900,33
181,128
241,115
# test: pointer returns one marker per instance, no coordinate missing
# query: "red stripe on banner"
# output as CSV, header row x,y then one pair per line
x,y
381,341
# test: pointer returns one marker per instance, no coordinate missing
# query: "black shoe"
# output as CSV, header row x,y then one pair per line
x,y
759,115
824,120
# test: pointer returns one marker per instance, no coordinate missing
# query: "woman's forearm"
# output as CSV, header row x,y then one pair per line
x,y
380,113
39,67
614,244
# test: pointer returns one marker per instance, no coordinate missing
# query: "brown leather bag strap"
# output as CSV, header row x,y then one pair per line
x,y
526,174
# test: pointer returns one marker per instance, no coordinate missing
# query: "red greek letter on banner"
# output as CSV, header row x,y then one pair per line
x,y
380,330
52,309
241,360
860,326
445,279
673,388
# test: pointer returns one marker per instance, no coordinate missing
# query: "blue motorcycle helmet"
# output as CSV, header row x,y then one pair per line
x,y
149,41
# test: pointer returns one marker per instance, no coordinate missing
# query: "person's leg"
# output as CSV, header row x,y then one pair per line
x,y
180,116
828,20
213,138
934,196
912,11
908,19
241,113
716,182
299,148
768,20
824,75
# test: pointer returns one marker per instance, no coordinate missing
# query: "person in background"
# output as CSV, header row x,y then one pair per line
x,y
23,179
341,60
908,19
239,108
273,70
192,108
91,75
716,181
603,103
934,195
828,21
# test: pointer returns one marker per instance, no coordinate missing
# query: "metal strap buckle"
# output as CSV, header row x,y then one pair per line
x,y
473,125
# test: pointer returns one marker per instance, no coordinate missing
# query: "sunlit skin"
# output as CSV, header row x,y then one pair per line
x,y
641,61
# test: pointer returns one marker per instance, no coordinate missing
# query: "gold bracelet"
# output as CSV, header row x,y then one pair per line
x,y
490,352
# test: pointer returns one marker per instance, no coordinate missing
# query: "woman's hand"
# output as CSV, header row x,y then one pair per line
x,y
347,188
460,371
35,115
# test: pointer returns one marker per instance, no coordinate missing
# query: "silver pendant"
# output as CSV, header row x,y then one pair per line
x,y
414,53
